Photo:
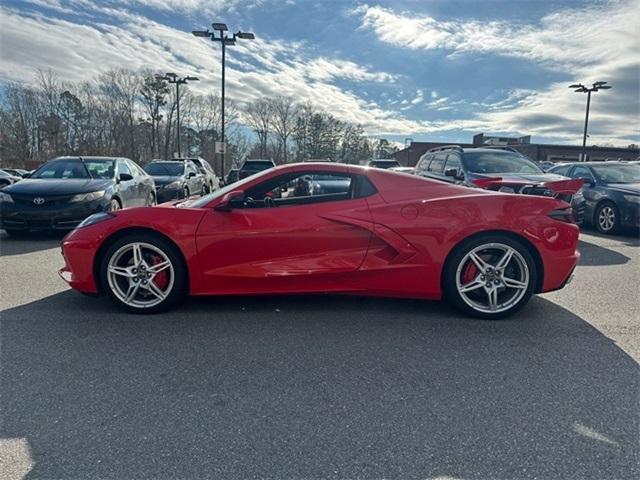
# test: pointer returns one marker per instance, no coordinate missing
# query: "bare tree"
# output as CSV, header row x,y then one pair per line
x,y
259,117
284,112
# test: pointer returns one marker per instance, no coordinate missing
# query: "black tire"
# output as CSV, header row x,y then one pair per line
x,y
115,204
185,192
16,233
600,224
449,286
151,200
180,282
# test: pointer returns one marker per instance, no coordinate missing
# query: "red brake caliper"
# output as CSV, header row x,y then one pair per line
x,y
161,279
469,273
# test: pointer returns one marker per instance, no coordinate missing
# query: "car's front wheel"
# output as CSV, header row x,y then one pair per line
x,y
143,273
490,277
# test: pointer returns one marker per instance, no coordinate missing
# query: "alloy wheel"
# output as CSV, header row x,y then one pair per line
x,y
607,218
140,275
492,278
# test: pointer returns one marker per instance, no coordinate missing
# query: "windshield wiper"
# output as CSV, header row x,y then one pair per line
x,y
85,167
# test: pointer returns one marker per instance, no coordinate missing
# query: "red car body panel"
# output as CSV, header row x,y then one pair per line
x,y
393,243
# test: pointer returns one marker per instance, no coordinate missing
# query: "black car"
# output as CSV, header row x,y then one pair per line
x,y
383,163
232,176
251,167
176,179
7,179
611,193
66,190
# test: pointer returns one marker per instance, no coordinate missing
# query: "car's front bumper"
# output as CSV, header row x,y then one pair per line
x,y
24,216
166,195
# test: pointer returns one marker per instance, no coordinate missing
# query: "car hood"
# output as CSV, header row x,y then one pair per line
x,y
524,177
36,186
529,183
632,188
165,179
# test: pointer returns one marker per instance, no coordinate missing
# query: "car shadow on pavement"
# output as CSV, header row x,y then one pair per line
x,y
315,387
594,255
629,237
31,242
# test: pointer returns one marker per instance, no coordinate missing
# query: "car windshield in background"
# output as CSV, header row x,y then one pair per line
x,y
257,165
4,174
166,169
618,173
498,162
74,168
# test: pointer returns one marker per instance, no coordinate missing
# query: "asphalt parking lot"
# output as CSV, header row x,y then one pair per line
x,y
325,386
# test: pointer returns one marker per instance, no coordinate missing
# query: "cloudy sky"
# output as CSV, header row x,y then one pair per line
x,y
428,70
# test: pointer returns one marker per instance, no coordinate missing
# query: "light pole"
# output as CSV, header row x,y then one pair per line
x,y
171,77
224,40
580,88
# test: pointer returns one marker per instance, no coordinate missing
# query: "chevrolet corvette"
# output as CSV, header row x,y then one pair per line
x,y
381,233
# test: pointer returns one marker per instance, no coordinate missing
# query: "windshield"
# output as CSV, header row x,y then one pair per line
x,y
73,168
617,173
165,169
498,162
3,174
257,165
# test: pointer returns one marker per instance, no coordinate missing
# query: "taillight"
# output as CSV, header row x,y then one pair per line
x,y
563,215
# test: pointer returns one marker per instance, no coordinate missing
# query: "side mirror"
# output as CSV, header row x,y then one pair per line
x,y
230,201
453,172
125,177
191,174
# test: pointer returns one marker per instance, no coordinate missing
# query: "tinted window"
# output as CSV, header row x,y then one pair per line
x,y
437,164
618,173
561,170
453,161
498,162
166,169
262,165
581,172
74,168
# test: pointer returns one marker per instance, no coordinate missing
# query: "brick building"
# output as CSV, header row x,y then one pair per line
x,y
538,152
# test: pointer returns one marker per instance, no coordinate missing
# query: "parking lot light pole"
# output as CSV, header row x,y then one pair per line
x,y
225,40
171,77
580,88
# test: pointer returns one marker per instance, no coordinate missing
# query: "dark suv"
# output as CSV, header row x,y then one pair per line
x,y
251,167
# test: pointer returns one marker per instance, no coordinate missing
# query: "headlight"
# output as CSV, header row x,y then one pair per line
x,y
632,198
95,218
88,197
5,197
173,185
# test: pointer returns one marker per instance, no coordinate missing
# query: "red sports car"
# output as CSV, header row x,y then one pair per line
x,y
307,228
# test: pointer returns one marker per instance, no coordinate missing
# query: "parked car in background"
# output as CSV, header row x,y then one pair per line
x,y
232,176
66,190
211,180
17,172
611,192
500,169
7,179
176,179
383,163
408,170
384,234
546,166
251,167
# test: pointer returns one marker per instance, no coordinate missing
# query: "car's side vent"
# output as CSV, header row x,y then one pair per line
x,y
563,215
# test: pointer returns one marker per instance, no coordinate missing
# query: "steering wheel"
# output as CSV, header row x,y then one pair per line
x,y
268,202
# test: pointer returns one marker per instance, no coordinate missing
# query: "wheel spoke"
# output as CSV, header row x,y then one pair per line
x,y
493,298
513,283
473,285
506,258
131,292
137,254
157,268
480,263
122,271
155,290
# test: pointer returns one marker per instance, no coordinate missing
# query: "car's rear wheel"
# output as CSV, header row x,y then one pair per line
x,y
151,200
114,205
490,277
185,192
607,218
143,273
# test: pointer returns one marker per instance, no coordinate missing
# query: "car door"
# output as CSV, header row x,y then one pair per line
x,y
435,170
590,191
453,162
126,188
287,239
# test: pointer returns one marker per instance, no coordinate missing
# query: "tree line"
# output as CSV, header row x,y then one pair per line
x,y
133,114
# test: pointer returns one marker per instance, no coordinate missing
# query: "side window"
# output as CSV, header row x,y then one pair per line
x,y
453,161
581,172
135,169
437,164
423,163
124,168
301,188
562,170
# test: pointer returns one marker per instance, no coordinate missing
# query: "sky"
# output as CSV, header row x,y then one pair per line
x,y
427,70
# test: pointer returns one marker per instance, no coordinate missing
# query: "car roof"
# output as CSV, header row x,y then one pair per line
x,y
85,157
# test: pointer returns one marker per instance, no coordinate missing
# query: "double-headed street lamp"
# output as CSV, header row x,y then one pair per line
x,y
580,88
225,40
171,77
